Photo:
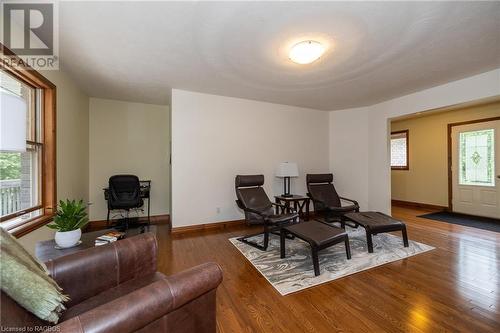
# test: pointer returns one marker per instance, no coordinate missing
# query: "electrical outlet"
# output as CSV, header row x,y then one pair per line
x,y
218,210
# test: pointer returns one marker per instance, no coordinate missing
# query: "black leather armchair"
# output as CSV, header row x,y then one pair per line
x,y
326,200
252,199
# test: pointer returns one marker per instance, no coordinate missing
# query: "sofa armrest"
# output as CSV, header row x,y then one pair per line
x,y
142,307
87,273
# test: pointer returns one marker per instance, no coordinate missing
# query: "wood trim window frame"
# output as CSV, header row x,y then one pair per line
x,y
407,167
48,159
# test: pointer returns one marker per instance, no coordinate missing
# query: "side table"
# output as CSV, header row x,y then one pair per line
x,y
300,204
45,250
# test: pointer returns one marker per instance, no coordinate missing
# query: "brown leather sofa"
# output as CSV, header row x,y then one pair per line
x,y
116,288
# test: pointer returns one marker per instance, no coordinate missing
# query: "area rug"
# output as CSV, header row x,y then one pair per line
x,y
484,223
295,272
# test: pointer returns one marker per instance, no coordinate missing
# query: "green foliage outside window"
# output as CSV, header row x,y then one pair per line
x,y
10,166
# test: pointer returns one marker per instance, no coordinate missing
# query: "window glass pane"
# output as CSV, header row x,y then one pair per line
x,y
20,172
477,158
10,183
19,178
23,123
37,113
30,176
12,86
399,150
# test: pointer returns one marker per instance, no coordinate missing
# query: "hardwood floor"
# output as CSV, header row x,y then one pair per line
x,y
454,288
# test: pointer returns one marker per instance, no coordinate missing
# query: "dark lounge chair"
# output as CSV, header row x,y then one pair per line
x,y
326,200
258,209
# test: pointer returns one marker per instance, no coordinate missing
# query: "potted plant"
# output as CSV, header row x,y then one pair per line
x,y
70,218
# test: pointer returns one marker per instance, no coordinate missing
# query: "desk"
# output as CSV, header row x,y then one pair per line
x,y
145,193
300,204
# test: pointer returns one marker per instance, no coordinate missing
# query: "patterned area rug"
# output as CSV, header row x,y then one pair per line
x,y
295,272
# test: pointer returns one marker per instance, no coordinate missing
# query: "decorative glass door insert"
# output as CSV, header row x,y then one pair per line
x,y
477,157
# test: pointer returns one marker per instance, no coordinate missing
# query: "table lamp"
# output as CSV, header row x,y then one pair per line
x,y
286,170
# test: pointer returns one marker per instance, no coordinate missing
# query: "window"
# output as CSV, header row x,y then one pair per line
x,y
399,150
27,157
477,158
20,180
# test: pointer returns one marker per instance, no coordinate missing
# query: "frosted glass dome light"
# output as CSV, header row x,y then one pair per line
x,y
306,52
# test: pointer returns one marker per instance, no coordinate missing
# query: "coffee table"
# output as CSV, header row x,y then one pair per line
x,y
319,236
377,223
46,250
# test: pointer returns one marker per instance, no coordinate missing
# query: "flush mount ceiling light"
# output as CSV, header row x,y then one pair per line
x,y
306,52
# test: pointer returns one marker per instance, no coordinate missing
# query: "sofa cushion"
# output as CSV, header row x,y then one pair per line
x,y
110,295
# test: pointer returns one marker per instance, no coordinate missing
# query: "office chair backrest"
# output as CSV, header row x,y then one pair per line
x,y
250,193
124,191
320,188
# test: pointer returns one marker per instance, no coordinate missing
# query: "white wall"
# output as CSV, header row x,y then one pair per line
x,y
129,138
72,147
426,181
215,138
375,155
349,134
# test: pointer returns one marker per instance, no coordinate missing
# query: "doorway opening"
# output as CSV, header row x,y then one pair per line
x,y
448,160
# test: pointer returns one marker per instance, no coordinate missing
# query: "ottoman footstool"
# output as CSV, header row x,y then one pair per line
x,y
319,236
377,223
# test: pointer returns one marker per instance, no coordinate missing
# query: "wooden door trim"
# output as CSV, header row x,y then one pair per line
x,y
450,175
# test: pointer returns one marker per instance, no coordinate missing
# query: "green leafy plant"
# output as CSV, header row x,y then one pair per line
x,y
71,215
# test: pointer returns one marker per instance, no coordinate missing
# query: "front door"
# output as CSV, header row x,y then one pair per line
x,y
476,169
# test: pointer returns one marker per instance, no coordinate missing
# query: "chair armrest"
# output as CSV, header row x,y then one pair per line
x,y
343,209
136,310
350,200
89,272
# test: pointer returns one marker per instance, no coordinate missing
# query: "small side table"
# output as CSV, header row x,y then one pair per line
x,y
45,250
300,204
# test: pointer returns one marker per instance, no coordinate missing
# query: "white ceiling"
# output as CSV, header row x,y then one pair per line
x,y
138,51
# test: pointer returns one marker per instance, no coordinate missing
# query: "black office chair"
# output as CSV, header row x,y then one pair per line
x,y
124,194
258,209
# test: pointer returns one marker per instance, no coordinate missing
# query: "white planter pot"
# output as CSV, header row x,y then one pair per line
x,y
68,238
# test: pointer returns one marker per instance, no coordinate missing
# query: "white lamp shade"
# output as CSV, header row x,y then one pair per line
x,y
287,169
12,123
